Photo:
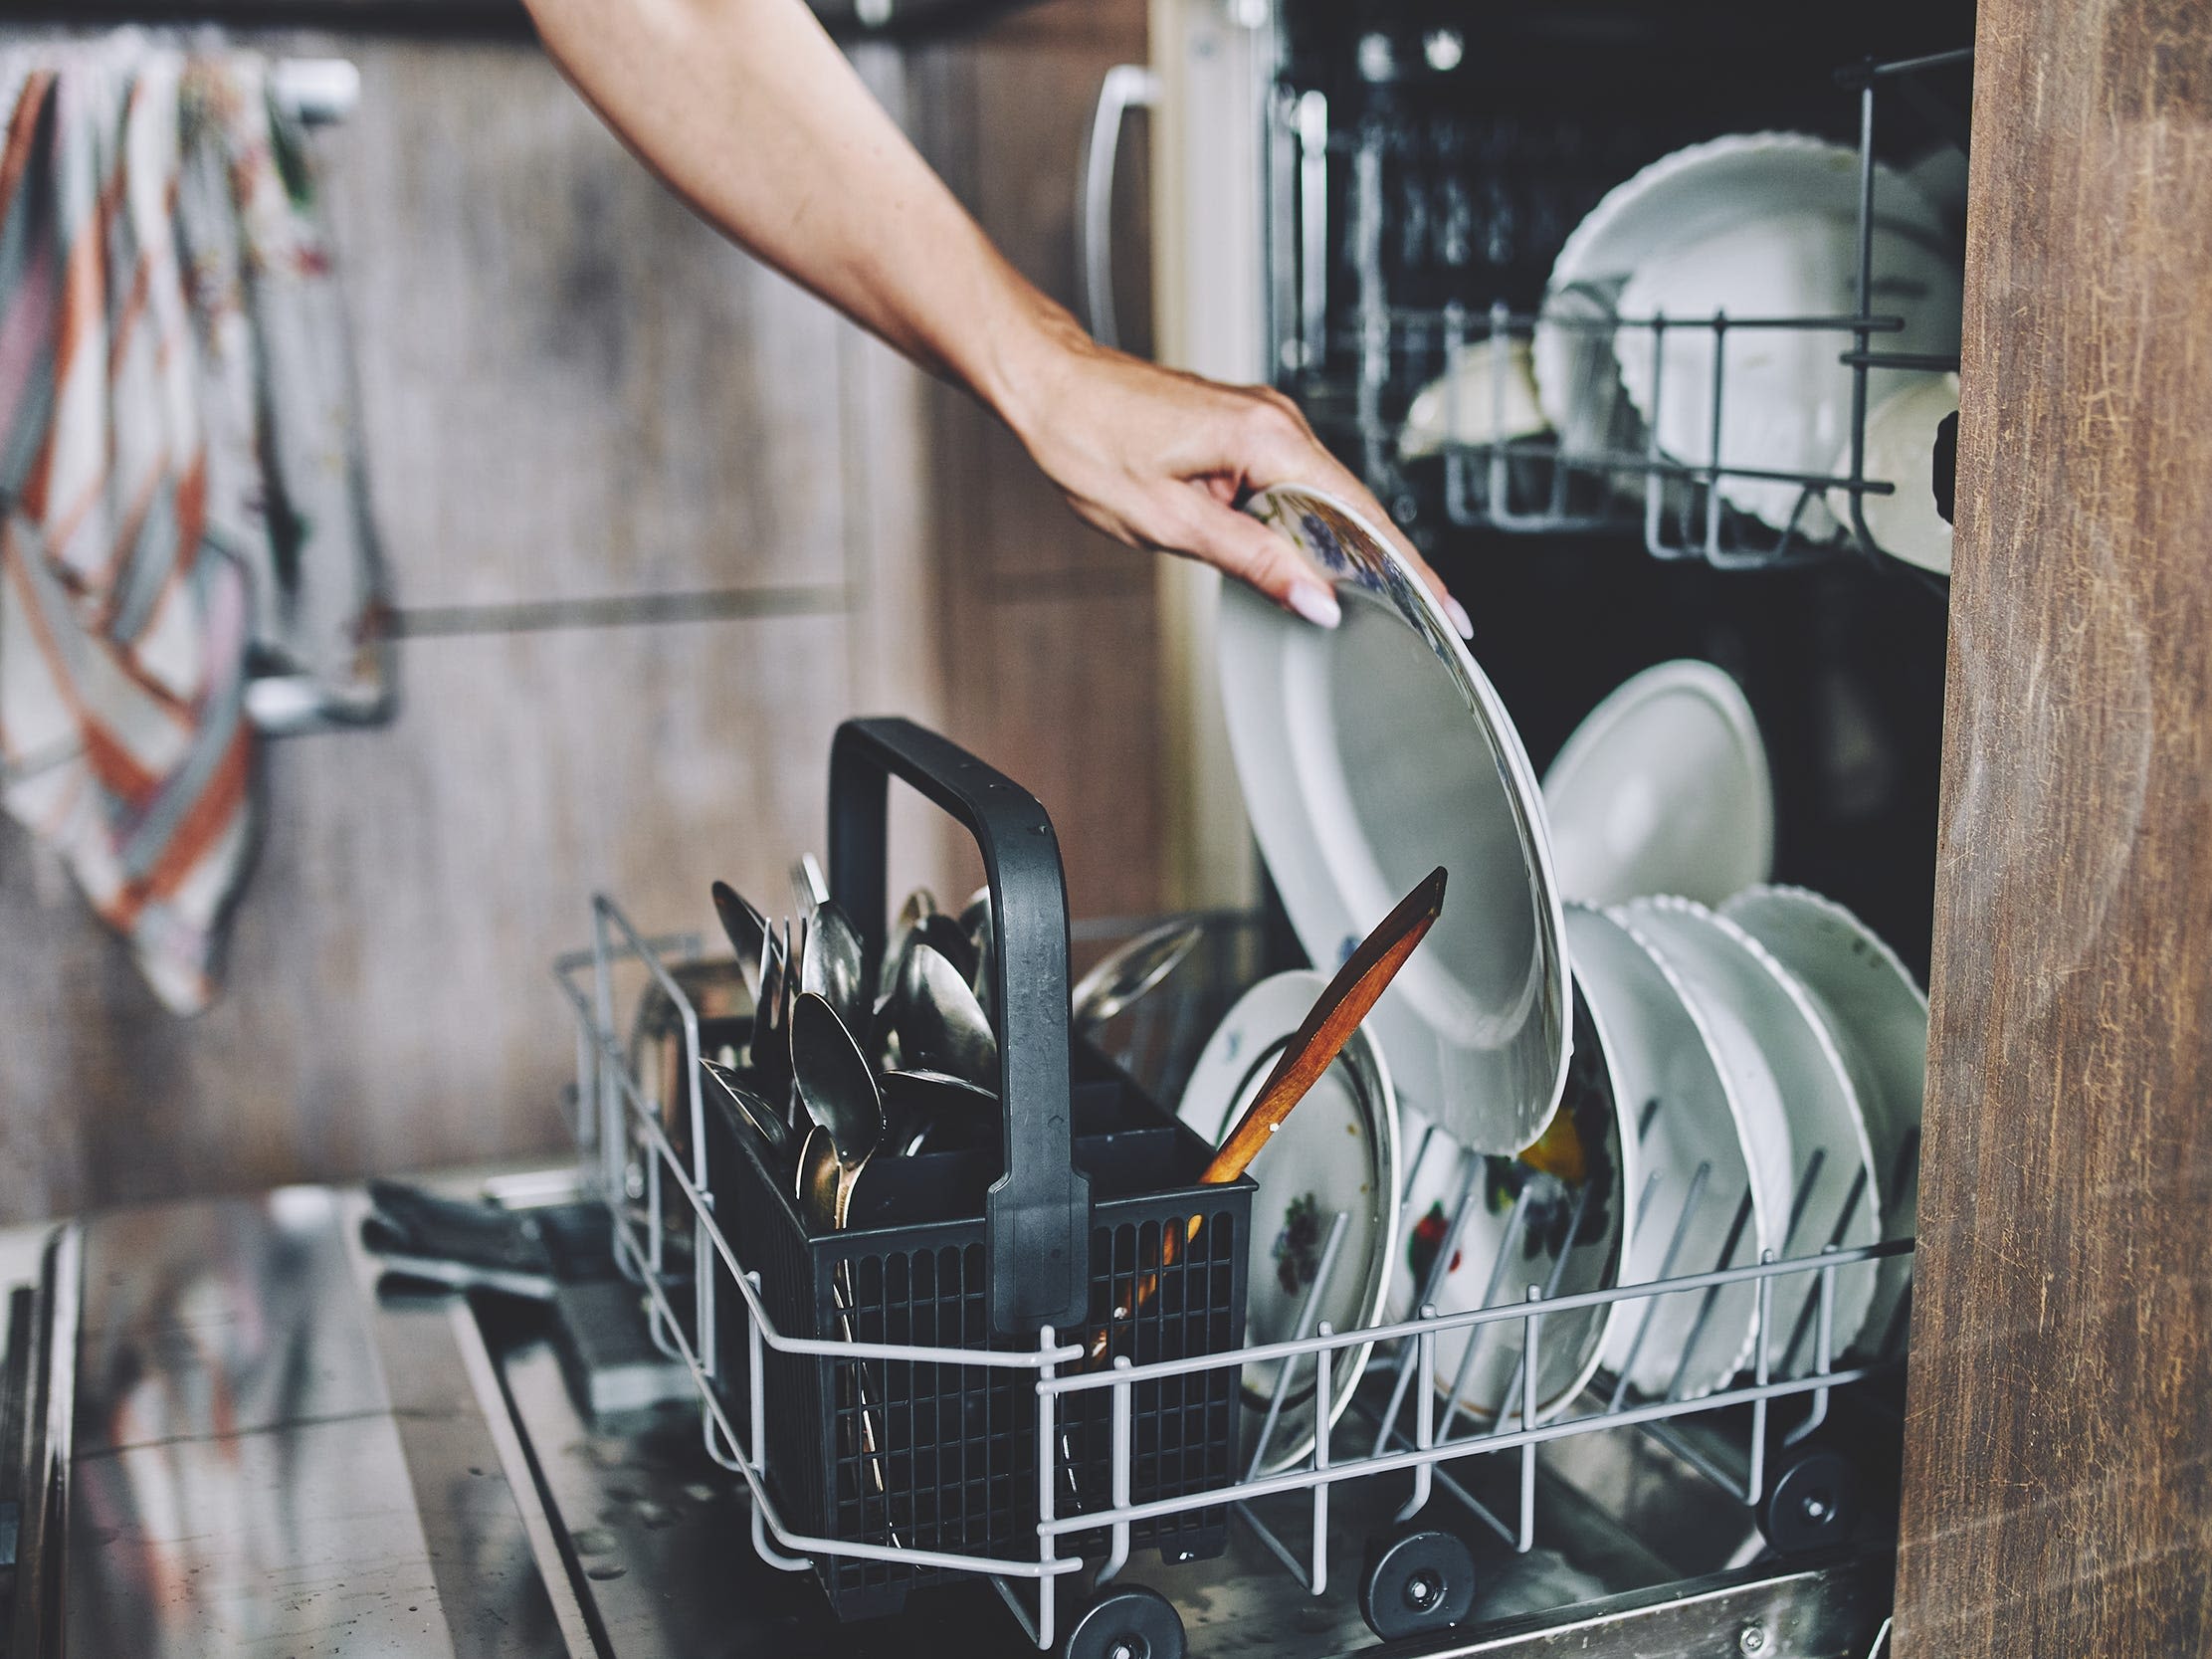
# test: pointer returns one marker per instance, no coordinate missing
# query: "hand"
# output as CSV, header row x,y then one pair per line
x,y
1158,459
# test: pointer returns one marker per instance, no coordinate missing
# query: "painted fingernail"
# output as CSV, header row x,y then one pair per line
x,y
1460,619
1316,604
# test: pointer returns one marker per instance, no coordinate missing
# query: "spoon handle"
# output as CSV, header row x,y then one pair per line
x,y
1312,1049
1329,1026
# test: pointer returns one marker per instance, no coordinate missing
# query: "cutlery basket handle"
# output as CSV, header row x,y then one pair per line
x,y
1037,1217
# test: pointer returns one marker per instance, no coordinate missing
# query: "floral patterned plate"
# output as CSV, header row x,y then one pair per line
x,y
1337,1152
1369,754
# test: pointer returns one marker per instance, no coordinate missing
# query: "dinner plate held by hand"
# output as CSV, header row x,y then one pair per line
x,y
1773,1038
1370,753
1702,1148
1662,788
1878,1014
1574,1227
1337,1152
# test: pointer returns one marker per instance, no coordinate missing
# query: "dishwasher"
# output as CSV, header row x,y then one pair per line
x,y
567,1410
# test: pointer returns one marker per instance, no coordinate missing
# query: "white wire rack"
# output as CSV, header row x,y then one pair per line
x,y
671,1239
1357,362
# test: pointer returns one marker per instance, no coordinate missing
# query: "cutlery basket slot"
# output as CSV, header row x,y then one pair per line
x,y
954,1466
1088,1215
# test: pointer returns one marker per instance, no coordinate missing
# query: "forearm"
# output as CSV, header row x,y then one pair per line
x,y
748,110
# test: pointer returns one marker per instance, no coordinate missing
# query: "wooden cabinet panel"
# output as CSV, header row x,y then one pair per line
x,y
571,387
2059,1448
390,1005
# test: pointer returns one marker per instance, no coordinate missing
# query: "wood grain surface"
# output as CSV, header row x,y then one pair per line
x,y
657,520
2059,1446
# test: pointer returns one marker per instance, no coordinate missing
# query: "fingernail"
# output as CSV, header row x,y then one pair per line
x,y
1316,604
1460,619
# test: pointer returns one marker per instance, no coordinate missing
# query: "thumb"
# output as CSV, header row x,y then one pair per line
x,y
1240,545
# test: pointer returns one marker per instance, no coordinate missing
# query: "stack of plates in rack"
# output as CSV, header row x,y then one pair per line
x,y
1620,1054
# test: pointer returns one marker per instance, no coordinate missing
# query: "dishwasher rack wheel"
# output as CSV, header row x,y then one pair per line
x,y
1812,1502
1131,1622
1418,1580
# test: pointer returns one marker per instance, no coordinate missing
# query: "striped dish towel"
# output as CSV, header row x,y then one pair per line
x,y
176,454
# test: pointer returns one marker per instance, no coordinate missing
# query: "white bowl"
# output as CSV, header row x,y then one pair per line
x,y
1581,1228
1901,451
1662,788
1370,753
1878,1014
1338,1151
1758,226
1685,1114
1774,1039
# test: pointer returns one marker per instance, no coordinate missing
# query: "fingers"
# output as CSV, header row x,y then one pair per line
x,y
1241,547
1281,447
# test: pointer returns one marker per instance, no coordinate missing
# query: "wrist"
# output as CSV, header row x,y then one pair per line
x,y
1026,362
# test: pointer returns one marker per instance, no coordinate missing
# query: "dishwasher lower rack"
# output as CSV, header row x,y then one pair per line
x,y
1758,1441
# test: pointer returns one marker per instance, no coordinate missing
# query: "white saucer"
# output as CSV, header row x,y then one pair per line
x,y
1338,1151
1773,1041
1684,1115
1571,1238
1662,788
1878,1014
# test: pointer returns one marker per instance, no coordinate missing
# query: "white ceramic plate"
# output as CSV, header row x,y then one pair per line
x,y
1662,788
1338,1152
1369,754
1571,1238
1901,451
1772,1039
1686,1115
1877,1015
1756,225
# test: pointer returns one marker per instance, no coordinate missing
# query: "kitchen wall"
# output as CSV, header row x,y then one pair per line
x,y
657,521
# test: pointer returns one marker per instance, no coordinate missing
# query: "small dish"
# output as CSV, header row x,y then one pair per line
x,y
1701,1149
1662,788
1337,1152
1878,1014
1369,754
1901,451
1571,1239
1488,396
1772,1039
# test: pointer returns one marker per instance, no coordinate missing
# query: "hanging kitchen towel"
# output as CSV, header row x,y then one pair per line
x,y
179,494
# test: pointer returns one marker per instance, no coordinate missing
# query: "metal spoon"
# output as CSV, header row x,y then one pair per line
x,y
748,935
919,902
807,886
771,1045
1132,972
934,1111
941,1026
832,968
836,1085
766,1121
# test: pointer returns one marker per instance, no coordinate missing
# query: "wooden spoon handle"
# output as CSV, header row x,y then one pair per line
x,y
1312,1049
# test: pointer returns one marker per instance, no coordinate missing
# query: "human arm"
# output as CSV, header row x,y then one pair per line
x,y
748,110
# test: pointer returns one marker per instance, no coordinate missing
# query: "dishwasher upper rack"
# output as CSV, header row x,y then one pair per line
x,y
1538,484
634,1166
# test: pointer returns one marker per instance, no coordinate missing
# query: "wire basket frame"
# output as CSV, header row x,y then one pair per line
x,y
672,1238
1358,372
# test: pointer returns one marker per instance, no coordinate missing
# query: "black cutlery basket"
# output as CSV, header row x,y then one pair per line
x,y
978,1249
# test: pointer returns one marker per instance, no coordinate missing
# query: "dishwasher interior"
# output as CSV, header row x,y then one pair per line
x,y
489,1430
